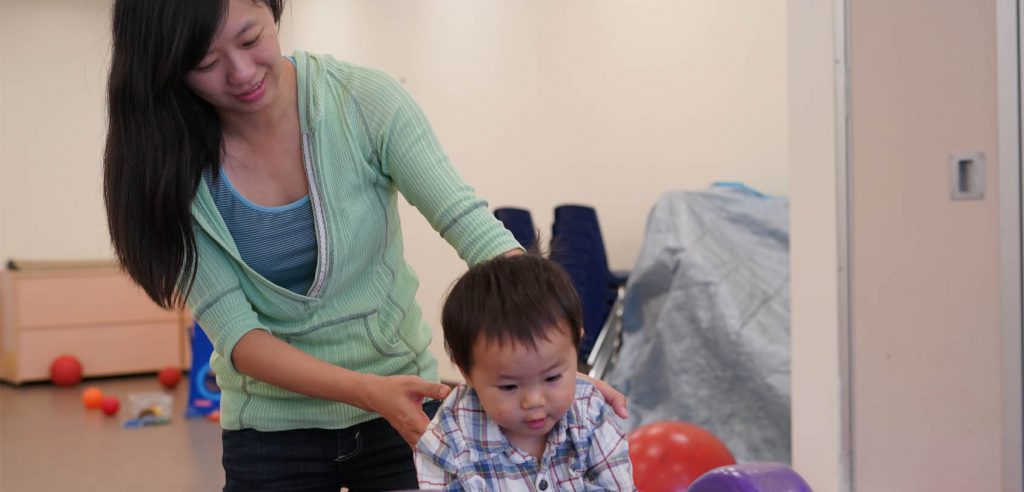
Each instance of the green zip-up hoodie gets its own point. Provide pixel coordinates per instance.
(363, 140)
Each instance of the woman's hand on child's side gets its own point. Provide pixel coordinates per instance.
(611, 395)
(399, 400)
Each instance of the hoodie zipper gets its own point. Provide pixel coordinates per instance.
(319, 222)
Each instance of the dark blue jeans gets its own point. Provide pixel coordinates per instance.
(364, 457)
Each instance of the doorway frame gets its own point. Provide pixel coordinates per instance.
(843, 231)
(1009, 18)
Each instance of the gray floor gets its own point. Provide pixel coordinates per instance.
(50, 442)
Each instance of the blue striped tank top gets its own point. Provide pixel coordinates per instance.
(279, 243)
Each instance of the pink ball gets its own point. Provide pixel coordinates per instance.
(110, 405)
(66, 371)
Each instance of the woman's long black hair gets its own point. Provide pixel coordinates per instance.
(160, 138)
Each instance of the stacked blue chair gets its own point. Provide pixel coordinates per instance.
(520, 223)
(578, 246)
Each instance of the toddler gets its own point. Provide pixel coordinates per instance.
(523, 420)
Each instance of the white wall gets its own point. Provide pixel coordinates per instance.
(602, 102)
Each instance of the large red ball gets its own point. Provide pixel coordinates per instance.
(66, 371)
(668, 456)
(169, 377)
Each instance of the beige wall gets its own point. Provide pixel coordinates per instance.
(53, 56)
(604, 102)
(538, 103)
(925, 293)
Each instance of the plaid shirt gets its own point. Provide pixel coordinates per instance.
(465, 450)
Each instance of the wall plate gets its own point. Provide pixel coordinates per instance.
(967, 176)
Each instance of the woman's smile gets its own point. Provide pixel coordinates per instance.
(254, 93)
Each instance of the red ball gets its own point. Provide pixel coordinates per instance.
(169, 377)
(66, 371)
(668, 456)
(110, 405)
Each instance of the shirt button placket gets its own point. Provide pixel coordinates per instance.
(542, 484)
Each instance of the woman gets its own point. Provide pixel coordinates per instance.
(261, 191)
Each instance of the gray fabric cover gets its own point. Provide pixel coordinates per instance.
(706, 320)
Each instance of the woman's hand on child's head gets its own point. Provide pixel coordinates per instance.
(399, 400)
(611, 395)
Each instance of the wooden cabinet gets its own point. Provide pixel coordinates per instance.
(89, 310)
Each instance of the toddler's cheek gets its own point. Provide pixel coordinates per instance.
(502, 415)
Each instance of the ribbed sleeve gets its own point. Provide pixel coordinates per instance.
(217, 300)
(410, 155)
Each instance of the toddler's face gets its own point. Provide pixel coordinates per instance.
(526, 391)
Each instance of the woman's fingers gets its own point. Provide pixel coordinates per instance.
(402, 404)
(614, 397)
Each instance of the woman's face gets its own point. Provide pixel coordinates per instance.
(242, 71)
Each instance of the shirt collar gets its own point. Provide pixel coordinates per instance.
(486, 439)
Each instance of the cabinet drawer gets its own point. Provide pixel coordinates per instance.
(102, 350)
(104, 296)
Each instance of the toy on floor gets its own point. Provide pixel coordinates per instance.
(668, 456)
(66, 371)
(110, 405)
(169, 377)
(92, 397)
(203, 392)
(148, 408)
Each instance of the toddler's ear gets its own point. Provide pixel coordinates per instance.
(465, 377)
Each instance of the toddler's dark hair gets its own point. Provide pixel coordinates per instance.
(515, 299)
